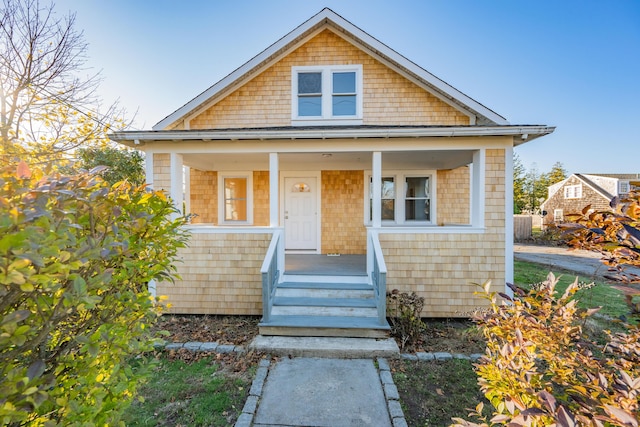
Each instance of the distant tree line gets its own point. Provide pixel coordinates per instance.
(530, 186)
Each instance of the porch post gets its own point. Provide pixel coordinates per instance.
(376, 176)
(148, 168)
(273, 189)
(177, 189)
(477, 188)
(508, 212)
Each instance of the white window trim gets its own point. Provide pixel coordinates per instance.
(248, 175)
(327, 92)
(399, 177)
(558, 213)
(573, 191)
(624, 187)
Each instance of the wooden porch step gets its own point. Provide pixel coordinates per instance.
(361, 307)
(324, 290)
(324, 285)
(324, 326)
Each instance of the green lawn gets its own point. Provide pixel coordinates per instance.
(433, 392)
(602, 294)
(189, 394)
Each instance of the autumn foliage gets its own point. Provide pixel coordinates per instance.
(614, 233)
(76, 257)
(539, 368)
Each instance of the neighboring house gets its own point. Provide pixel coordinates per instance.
(330, 142)
(578, 191)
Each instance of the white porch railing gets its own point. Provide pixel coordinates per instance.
(271, 270)
(377, 270)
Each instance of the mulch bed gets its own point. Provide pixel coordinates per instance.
(440, 335)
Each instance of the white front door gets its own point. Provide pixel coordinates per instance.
(300, 213)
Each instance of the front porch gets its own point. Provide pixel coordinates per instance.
(325, 265)
(320, 295)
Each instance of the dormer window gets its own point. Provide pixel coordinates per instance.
(326, 95)
(623, 187)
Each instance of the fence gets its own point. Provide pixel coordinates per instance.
(522, 226)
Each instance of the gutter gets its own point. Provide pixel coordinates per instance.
(137, 138)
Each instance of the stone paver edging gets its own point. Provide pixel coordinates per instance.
(391, 393)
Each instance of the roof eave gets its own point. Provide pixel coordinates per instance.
(521, 134)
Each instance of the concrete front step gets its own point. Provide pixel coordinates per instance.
(324, 326)
(334, 347)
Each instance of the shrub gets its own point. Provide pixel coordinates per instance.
(404, 311)
(615, 233)
(76, 258)
(539, 369)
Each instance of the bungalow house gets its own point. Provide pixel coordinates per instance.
(330, 146)
(580, 190)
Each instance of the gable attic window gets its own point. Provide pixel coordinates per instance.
(573, 191)
(326, 95)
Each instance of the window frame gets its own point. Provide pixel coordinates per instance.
(327, 94)
(558, 213)
(573, 191)
(248, 175)
(399, 177)
(624, 187)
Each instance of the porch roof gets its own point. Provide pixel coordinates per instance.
(521, 133)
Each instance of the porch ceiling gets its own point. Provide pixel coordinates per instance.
(438, 159)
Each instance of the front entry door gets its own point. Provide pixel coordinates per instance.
(300, 213)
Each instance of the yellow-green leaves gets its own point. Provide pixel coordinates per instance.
(75, 258)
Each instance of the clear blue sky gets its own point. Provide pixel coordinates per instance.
(571, 64)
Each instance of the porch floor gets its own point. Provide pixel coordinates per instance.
(323, 265)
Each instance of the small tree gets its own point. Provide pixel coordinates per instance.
(76, 256)
(120, 164)
(47, 106)
(519, 185)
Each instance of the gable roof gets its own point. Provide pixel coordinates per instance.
(598, 189)
(554, 188)
(328, 19)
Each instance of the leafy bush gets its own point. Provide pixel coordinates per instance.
(76, 258)
(404, 311)
(539, 369)
(614, 233)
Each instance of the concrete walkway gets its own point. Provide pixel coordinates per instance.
(585, 263)
(322, 392)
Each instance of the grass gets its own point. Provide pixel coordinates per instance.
(433, 392)
(199, 393)
(601, 295)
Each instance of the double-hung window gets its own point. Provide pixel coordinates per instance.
(573, 191)
(326, 95)
(236, 197)
(406, 198)
(417, 198)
